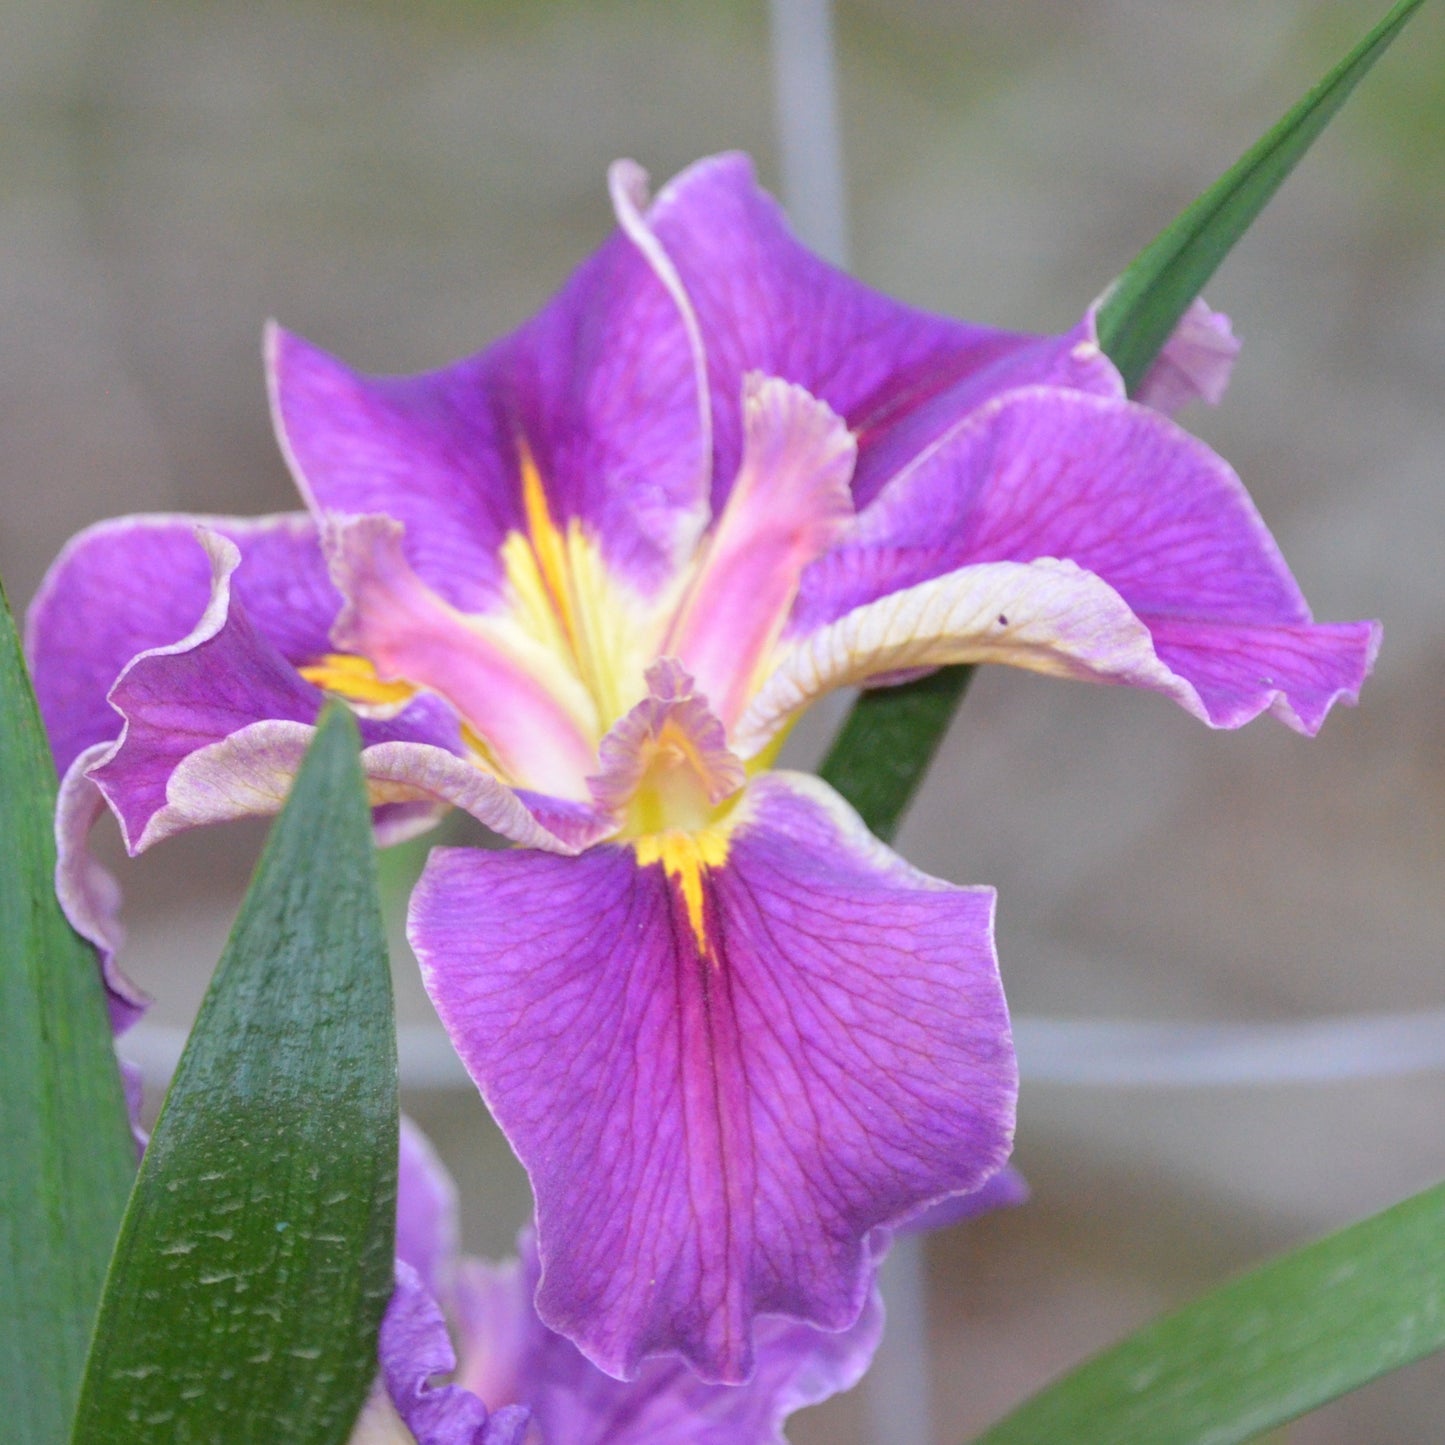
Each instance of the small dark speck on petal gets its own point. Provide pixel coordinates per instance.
(1002, 620)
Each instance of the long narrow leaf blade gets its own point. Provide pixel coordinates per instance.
(1264, 1349)
(906, 724)
(887, 742)
(1158, 285)
(256, 1254)
(69, 1158)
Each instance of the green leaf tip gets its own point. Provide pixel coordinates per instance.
(1146, 302)
(882, 752)
(255, 1259)
(69, 1156)
(1265, 1348)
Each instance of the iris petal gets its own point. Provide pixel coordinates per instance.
(506, 1357)
(428, 1230)
(714, 1120)
(1080, 536)
(599, 392)
(1195, 364)
(533, 715)
(787, 505)
(415, 1347)
(765, 303)
(125, 586)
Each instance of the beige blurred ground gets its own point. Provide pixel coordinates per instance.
(402, 183)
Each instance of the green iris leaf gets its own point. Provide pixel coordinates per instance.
(69, 1157)
(255, 1258)
(905, 725)
(1155, 290)
(1265, 1348)
(887, 742)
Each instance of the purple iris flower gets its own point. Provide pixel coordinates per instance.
(474, 1321)
(581, 585)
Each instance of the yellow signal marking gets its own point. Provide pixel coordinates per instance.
(547, 543)
(687, 857)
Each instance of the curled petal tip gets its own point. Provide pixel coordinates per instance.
(1195, 363)
(627, 183)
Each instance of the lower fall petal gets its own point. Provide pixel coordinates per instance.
(215, 725)
(1142, 560)
(1294, 671)
(1054, 617)
(1005, 1190)
(722, 1068)
(201, 688)
(249, 774)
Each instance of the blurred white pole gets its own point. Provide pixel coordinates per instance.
(805, 93)
(810, 150)
(1102, 1054)
(805, 102)
(897, 1386)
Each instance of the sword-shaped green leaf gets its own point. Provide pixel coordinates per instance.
(887, 742)
(1155, 290)
(1143, 306)
(69, 1157)
(255, 1258)
(1265, 1348)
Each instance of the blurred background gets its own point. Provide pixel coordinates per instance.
(403, 183)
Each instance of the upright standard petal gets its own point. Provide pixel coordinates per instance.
(596, 400)
(723, 1059)
(897, 375)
